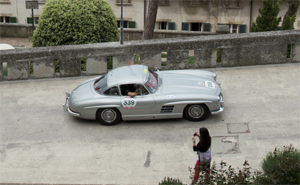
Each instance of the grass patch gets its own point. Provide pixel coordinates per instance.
(219, 55)
(109, 62)
(30, 67)
(289, 49)
(164, 55)
(56, 64)
(137, 59)
(191, 59)
(83, 63)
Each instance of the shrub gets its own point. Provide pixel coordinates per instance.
(228, 176)
(170, 181)
(288, 24)
(267, 19)
(72, 22)
(282, 166)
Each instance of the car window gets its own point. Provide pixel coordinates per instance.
(133, 88)
(101, 84)
(141, 89)
(152, 82)
(127, 88)
(112, 91)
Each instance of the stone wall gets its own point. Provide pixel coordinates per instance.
(237, 50)
(25, 31)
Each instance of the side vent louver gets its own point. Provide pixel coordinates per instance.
(167, 109)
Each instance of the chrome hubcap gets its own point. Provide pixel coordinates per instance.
(196, 111)
(108, 115)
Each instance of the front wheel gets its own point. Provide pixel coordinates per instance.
(196, 112)
(108, 116)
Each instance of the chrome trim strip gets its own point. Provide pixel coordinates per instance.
(187, 102)
(144, 115)
(103, 106)
(218, 111)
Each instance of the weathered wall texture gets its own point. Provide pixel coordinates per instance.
(237, 50)
(25, 31)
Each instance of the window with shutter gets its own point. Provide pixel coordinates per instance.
(125, 24)
(13, 19)
(242, 28)
(206, 27)
(29, 20)
(131, 24)
(5, 19)
(125, 2)
(171, 25)
(196, 26)
(185, 26)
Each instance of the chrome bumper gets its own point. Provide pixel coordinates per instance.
(221, 108)
(66, 106)
(218, 111)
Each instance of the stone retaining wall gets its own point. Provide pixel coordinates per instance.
(237, 50)
(25, 31)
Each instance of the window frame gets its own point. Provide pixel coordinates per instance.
(5, 1)
(163, 3)
(202, 3)
(125, 22)
(200, 26)
(118, 91)
(125, 2)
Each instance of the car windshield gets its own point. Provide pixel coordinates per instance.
(152, 82)
(101, 83)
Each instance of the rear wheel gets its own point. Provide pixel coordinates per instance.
(197, 112)
(108, 116)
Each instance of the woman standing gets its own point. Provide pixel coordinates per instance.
(203, 150)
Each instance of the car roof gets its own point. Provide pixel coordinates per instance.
(128, 75)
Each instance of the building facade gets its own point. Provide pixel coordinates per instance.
(180, 15)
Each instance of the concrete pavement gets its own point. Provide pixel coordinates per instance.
(42, 144)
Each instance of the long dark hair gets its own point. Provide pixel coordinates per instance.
(205, 139)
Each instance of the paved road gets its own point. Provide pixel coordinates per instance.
(41, 144)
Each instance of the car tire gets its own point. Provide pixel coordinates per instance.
(108, 116)
(196, 112)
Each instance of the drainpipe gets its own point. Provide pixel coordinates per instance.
(251, 5)
(145, 10)
(121, 23)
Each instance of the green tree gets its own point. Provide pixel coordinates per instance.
(267, 19)
(70, 22)
(288, 24)
(292, 10)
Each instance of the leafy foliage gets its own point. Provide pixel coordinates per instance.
(170, 181)
(267, 19)
(288, 24)
(227, 176)
(282, 166)
(72, 22)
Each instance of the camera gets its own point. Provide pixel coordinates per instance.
(195, 134)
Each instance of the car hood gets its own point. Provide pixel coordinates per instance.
(183, 83)
(83, 92)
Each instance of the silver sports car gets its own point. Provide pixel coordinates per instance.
(135, 92)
